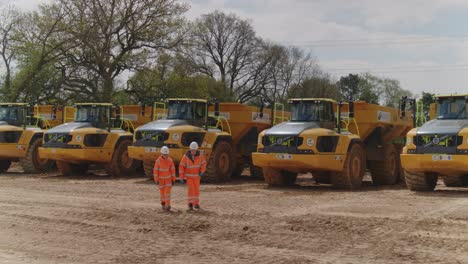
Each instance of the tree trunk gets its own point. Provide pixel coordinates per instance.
(107, 89)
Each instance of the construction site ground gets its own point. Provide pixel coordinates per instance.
(97, 219)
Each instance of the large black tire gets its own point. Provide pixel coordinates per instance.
(275, 177)
(148, 166)
(4, 165)
(256, 172)
(421, 182)
(322, 177)
(401, 172)
(386, 171)
(121, 164)
(70, 169)
(220, 164)
(239, 168)
(32, 163)
(353, 170)
(455, 181)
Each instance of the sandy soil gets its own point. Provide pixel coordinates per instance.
(97, 219)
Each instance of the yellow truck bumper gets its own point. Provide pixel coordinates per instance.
(76, 155)
(13, 151)
(299, 162)
(152, 153)
(437, 163)
(143, 153)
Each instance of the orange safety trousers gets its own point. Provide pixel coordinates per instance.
(164, 173)
(189, 169)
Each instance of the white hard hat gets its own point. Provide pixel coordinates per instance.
(165, 150)
(194, 145)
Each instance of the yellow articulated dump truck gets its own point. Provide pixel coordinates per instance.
(21, 129)
(439, 147)
(227, 137)
(99, 134)
(336, 142)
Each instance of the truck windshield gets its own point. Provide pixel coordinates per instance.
(450, 108)
(186, 110)
(318, 111)
(92, 114)
(12, 113)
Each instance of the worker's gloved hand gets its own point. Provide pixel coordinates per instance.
(182, 181)
(201, 174)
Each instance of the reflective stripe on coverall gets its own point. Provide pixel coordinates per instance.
(164, 173)
(190, 170)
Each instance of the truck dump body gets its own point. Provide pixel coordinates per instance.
(297, 147)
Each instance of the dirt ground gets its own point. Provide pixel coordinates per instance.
(97, 219)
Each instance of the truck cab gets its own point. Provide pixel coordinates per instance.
(439, 147)
(99, 134)
(22, 126)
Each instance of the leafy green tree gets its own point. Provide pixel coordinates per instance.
(318, 86)
(109, 37)
(427, 99)
(171, 77)
(349, 87)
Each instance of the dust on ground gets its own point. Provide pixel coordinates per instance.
(98, 219)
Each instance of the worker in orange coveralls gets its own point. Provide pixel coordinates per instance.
(191, 168)
(164, 175)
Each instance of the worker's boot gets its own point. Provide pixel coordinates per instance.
(190, 206)
(163, 205)
(168, 207)
(197, 206)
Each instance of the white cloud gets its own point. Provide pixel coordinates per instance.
(23, 4)
(302, 21)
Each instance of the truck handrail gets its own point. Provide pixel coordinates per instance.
(219, 123)
(282, 118)
(346, 120)
(420, 117)
(155, 109)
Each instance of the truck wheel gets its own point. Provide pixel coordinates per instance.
(401, 171)
(121, 164)
(256, 172)
(279, 178)
(455, 181)
(220, 164)
(421, 182)
(386, 171)
(353, 170)
(32, 162)
(148, 166)
(4, 165)
(322, 177)
(70, 169)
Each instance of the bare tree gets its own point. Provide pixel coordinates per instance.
(288, 67)
(225, 47)
(9, 19)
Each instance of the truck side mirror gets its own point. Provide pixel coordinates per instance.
(351, 109)
(54, 112)
(143, 108)
(403, 108)
(261, 110)
(216, 108)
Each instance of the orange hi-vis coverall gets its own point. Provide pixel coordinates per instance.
(189, 169)
(164, 173)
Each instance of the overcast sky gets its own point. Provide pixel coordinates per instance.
(422, 43)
